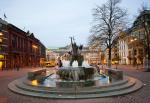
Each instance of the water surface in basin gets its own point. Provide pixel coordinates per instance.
(51, 80)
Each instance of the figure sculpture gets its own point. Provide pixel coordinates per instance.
(76, 53)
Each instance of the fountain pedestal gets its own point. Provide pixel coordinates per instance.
(79, 76)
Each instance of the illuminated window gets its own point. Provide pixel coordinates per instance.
(1, 64)
(1, 33)
(1, 56)
(1, 40)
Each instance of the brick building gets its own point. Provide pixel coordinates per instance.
(18, 48)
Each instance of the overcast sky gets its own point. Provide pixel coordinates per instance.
(54, 21)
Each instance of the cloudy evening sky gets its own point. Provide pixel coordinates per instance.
(54, 21)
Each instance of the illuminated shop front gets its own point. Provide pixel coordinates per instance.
(2, 61)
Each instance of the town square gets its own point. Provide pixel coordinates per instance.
(75, 51)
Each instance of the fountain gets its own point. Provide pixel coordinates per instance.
(75, 74)
(76, 79)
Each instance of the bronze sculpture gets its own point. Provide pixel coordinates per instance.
(76, 53)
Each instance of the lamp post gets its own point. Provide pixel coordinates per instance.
(116, 62)
(133, 50)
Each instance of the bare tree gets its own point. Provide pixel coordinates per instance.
(109, 19)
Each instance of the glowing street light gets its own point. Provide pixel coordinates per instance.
(1, 33)
(133, 39)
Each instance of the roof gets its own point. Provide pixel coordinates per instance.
(145, 12)
(3, 21)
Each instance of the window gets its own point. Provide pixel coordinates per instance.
(14, 42)
(1, 48)
(129, 52)
(1, 56)
(1, 40)
(135, 52)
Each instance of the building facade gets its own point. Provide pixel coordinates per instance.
(139, 37)
(19, 48)
(3, 44)
(123, 47)
(91, 55)
(131, 42)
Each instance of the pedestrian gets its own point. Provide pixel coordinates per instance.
(18, 67)
(97, 68)
(59, 63)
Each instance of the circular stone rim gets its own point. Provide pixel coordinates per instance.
(12, 86)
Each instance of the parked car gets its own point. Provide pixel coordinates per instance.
(50, 63)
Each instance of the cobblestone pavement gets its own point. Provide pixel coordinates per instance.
(140, 96)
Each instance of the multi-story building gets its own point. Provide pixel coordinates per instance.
(123, 47)
(139, 37)
(131, 41)
(19, 48)
(130, 48)
(91, 55)
(3, 44)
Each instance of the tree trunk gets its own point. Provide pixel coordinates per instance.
(109, 57)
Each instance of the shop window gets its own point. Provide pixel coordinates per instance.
(1, 64)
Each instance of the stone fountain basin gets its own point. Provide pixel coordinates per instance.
(76, 89)
(121, 87)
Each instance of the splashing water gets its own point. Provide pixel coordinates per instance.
(85, 64)
(75, 64)
(65, 63)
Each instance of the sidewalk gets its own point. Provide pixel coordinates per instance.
(3, 100)
(126, 67)
(136, 67)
